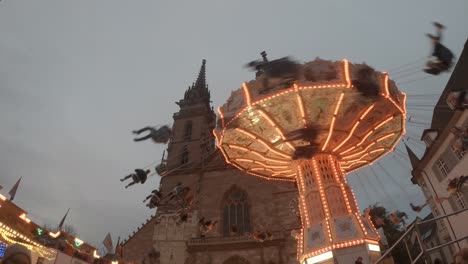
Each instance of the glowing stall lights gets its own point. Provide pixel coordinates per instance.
(11, 236)
(95, 254)
(78, 242)
(23, 216)
(319, 258)
(39, 231)
(3, 198)
(346, 72)
(115, 262)
(54, 235)
(340, 100)
(246, 95)
(373, 247)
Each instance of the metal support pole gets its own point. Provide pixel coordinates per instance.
(446, 244)
(408, 250)
(394, 245)
(420, 240)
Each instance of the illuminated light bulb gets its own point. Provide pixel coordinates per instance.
(23, 216)
(386, 83)
(54, 235)
(346, 72)
(340, 100)
(78, 242)
(247, 100)
(262, 142)
(221, 116)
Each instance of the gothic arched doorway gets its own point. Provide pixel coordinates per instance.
(236, 260)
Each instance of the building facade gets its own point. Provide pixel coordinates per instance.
(221, 193)
(443, 161)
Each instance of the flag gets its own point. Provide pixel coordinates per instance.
(63, 220)
(14, 189)
(108, 243)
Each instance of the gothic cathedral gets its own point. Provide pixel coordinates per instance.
(222, 193)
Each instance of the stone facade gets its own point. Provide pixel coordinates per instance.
(194, 161)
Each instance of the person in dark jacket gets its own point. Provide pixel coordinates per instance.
(366, 82)
(139, 176)
(443, 54)
(156, 197)
(358, 260)
(308, 134)
(160, 135)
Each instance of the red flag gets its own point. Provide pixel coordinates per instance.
(14, 189)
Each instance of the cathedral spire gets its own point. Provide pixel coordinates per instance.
(200, 84)
(198, 92)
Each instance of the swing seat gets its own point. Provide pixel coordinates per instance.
(436, 67)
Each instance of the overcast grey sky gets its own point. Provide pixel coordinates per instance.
(77, 76)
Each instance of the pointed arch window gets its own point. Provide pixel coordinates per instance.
(188, 130)
(236, 212)
(185, 156)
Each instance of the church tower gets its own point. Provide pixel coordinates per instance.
(192, 139)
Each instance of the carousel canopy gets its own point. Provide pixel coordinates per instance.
(356, 125)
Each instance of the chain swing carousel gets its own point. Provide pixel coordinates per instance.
(313, 127)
